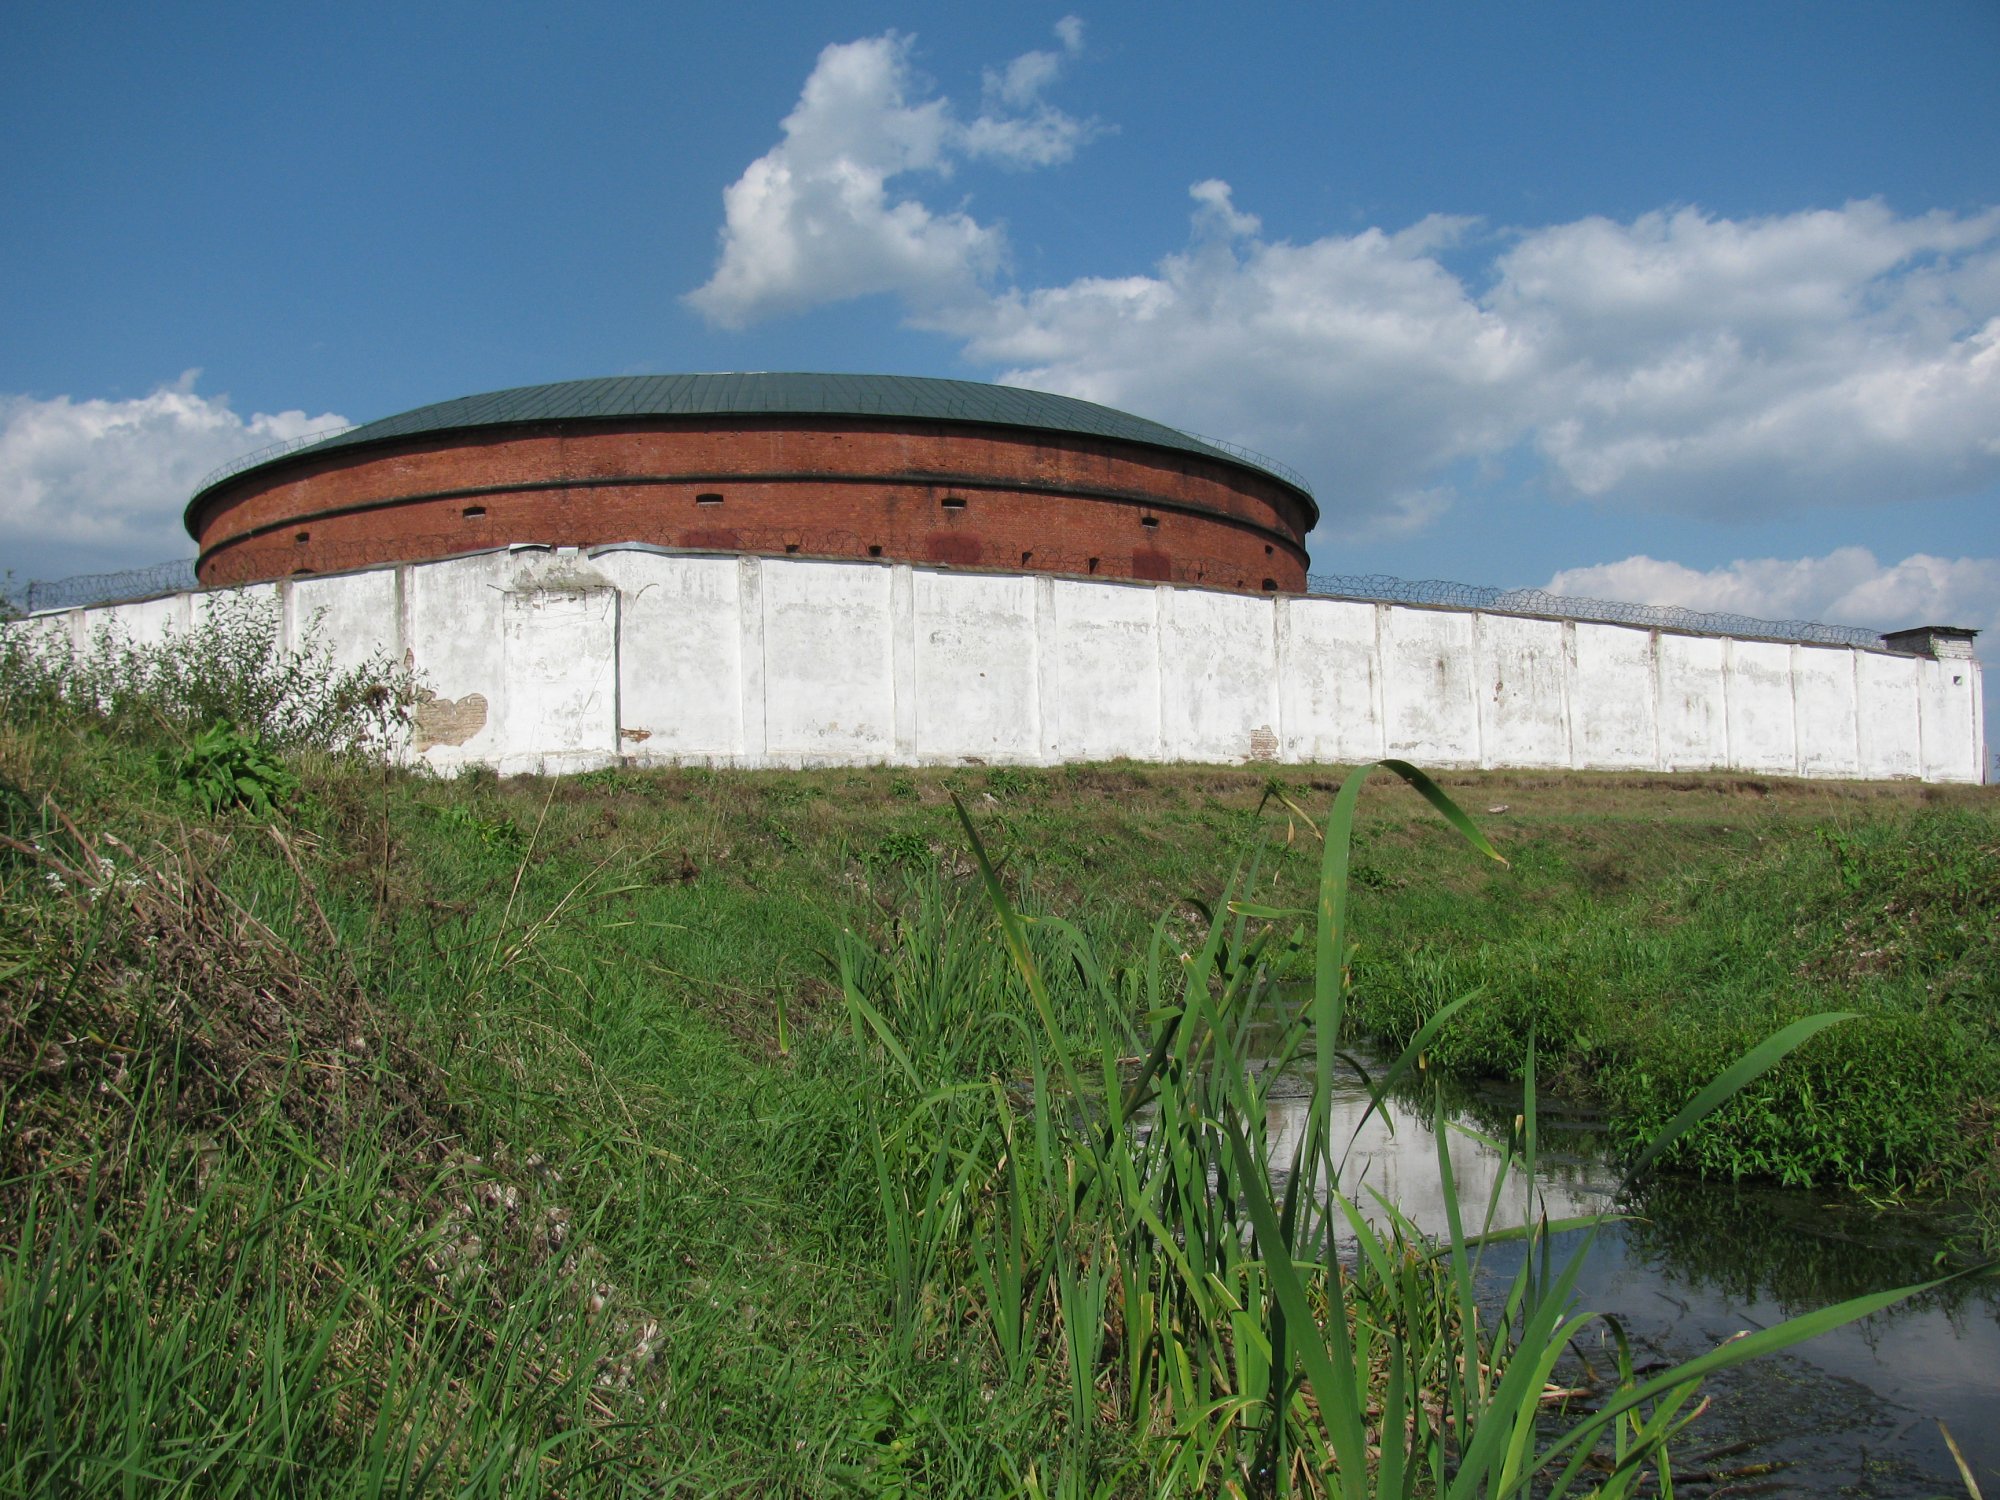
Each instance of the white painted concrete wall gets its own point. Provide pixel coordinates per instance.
(561, 661)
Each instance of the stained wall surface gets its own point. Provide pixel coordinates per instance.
(556, 661)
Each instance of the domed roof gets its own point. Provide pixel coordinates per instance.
(905, 396)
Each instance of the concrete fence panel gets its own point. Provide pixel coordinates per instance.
(540, 660)
(1522, 673)
(1826, 711)
(1763, 733)
(1106, 653)
(1692, 701)
(1429, 695)
(1614, 720)
(977, 664)
(1330, 680)
(680, 639)
(829, 663)
(1218, 677)
(354, 615)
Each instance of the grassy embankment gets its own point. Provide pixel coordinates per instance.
(503, 1133)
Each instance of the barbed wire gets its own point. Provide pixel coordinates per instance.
(107, 588)
(89, 589)
(1380, 588)
(1251, 456)
(270, 451)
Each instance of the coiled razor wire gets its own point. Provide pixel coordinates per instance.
(1381, 589)
(108, 588)
(270, 451)
(88, 589)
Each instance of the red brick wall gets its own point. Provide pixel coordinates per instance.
(1056, 502)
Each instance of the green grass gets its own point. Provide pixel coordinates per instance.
(701, 1133)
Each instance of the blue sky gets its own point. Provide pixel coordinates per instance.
(1691, 303)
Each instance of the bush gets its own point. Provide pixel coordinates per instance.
(231, 668)
(229, 767)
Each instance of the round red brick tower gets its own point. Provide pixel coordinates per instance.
(842, 466)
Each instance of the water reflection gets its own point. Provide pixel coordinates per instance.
(1852, 1412)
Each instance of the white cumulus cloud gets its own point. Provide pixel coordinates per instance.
(1845, 587)
(1359, 359)
(101, 484)
(1681, 362)
(822, 216)
(1716, 366)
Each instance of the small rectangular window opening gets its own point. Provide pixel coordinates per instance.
(1149, 522)
(708, 499)
(1024, 558)
(953, 502)
(302, 538)
(874, 551)
(474, 512)
(1267, 549)
(790, 548)
(1093, 565)
(1270, 585)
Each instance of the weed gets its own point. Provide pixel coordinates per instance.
(1009, 781)
(904, 847)
(224, 767)
(502, 834)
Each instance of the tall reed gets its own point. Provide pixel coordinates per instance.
(1079, 1157)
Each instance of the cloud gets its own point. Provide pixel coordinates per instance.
(102, 484)
(1711, 366)
(1357, 358)
(820, 217)
(1845, 587)
(1681, 362)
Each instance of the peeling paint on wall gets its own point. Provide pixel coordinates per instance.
(446, 721)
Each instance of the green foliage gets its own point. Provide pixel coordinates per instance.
(1635, 1000)
(635, 1249)
(501, 834)
(904, 847)
(1006, 782)
(1112, 1223)
(232, 666)
(225, 766)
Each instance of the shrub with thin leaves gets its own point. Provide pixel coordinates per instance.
(231, 667)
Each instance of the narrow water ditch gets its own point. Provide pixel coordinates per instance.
(1853, 1412)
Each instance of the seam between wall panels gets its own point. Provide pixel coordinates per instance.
(1798, 739)
(402, 645)
(1854, 682)
(1048, 673)
(1480, 643)
(617, 673)
(1281, 624)
(1570, 694)
(904, 685)
(1378, 689)
(753, 742)
(1978, 723)
(1659, 708)
(1728, 734)
(1568, 698)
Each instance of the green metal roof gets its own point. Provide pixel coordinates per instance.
(892, 396)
